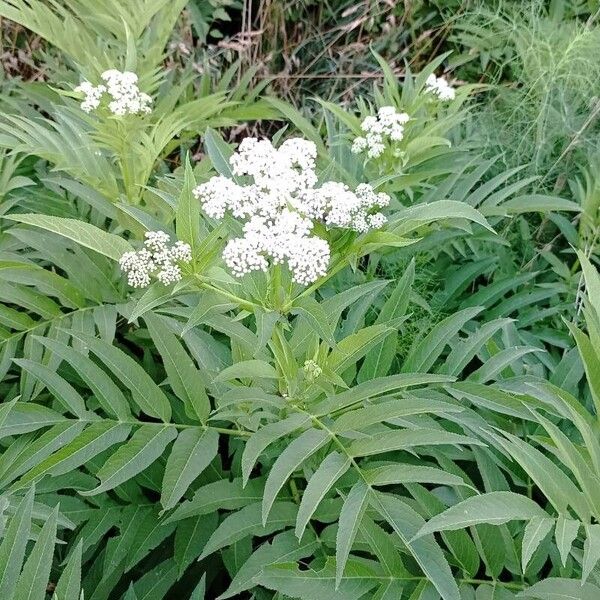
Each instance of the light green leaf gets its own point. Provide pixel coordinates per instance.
(401, 439)
(61, 389)
(406, 523)
(399, 474)
(265, 436)
(591, 550)
(185, 379)
(353, 347)
(192, 452)
(565, 533)
(316, 318)
(83, 233)
(36, 572)
(288, 461)
(350, 519)
(248, 368)
(248, 521)
(14, 543)
(146, 394)
(535, 531)
(322, 480)
(494, 508)
(96, 438)
(219, 152)
(556, 588)
(188, 210)
(146, 445)
(69, 584)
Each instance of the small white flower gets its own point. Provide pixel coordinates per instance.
(157, 259)
(440, 87)
(123, 90)
(387, 125)
(279, 208)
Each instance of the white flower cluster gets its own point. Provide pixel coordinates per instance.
(157, 258)
(280, 206)
(387, 124)
(440, 87)
(123, 90)
(312, 370)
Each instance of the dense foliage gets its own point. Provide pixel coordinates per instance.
(299, 300)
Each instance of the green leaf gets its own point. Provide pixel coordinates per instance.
(62, 390)
(222, 494)
(350, 519)
(265, 436)
(248, 521)
(535, 532)
(96, 438)
(284, 547)
(322, 480)
(401, 439)
(565, 533)
(219, 152)
(146, 445)
(252, 369)
(399, 474)
(556, 588)
(316, 318)
(34, 578)
(188, 210)
(424, 354)
(376, 387)
(192, 452)
(14, 543)
(353, 347)
(191, 537)
(393, 409)
(494, 508)
(288, 461)
(406, 523)
(106, 391)
(69, 584)
(591, 550)
(185, 379)
(146, 394)
(85, 234)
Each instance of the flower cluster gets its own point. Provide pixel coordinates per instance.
(312, 370)
(440, 87)
(279, 208)
(157, 258)
(388, 124)
(123, 90)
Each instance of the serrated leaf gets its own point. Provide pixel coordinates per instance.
(251, 369)
(350, 519)
(322, 480)
(83, 233)
(265, 436)
(14, 543)
(146, 394)
(34, 577)
(288, 461)
(565, 533)
(192, 452)
(494, 508)
(96, 438)
(69, 584)
(146, 445)
(248, 521)
(184, 377)
(406, 523)
(535, 531)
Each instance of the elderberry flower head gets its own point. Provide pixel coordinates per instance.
(440, 87)
(157, 258)
(121, 90)
(280, 206)
(387, 126)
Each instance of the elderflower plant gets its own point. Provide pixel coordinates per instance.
(156, 259)
(385, 128)
(282, 205)
(439, 87)
(120, 92)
